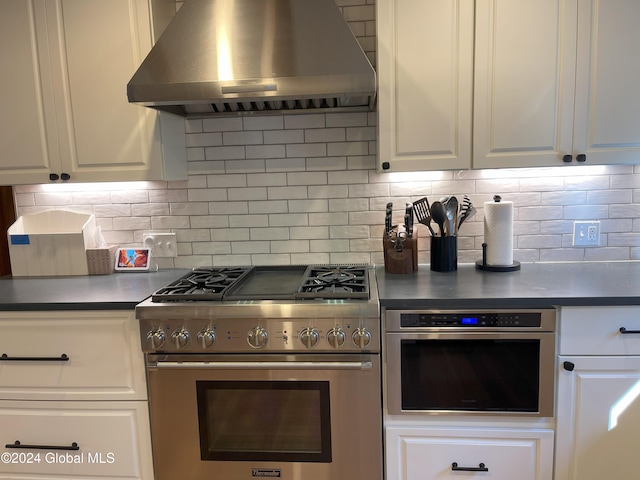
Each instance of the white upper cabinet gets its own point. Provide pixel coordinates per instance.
(607, 114)
(550, 83)
(425, 75)
(524, 82)
(66, 109)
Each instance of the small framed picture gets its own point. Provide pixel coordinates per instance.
(133, 260)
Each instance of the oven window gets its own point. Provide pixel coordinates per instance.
(264, 421)
(471, 375)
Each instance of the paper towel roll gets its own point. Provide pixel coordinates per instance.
(498, 232)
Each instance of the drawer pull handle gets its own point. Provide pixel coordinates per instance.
(568, 366)
(624, 331)
(17, 444)
(479, 468)
(6, 358)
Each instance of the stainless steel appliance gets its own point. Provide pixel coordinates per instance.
(481, 362)
(265, 372)
(220, 57)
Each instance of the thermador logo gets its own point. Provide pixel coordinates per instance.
(265, 473)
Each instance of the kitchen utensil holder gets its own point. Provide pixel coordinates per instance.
(403, 260)
(444, 254)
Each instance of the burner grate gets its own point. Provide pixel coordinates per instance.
(202, 283)
(335, 281)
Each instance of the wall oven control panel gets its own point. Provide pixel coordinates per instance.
(471, 319)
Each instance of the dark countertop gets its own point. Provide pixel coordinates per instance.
(534, 285)
(118, 291)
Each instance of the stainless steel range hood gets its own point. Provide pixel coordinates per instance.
(229, 56)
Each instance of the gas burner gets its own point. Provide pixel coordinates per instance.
(335, 281)
(202, 283)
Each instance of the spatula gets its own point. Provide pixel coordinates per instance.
(423, 213)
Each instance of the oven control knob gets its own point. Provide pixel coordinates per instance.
(361, 337)
(309, 337)
(257, 337)
(336, 337)
(206, 337)
(157, 338)
(180, 338)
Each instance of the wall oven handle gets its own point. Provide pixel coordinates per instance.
(362, 365)
(480, 468)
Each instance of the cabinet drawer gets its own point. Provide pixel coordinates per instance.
(112, 439)
(102, 349)
(507, 454)
(596, 330)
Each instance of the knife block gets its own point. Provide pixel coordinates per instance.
(405, 261)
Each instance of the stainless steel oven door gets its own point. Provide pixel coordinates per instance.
(238, 417)
(480, 373)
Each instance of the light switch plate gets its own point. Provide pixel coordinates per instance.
(161, 244)
(586, 234)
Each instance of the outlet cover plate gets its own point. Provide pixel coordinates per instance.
(161, 244)
(586, 233)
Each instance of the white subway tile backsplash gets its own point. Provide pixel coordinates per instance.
(271, 122)
(242, 138)
(267, 151)
(268, 206)
(283, 136)
(208, 221)
(224, 153)
(307, 150)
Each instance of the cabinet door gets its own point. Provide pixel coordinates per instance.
(607, 119)
(99, 46)
(102, 349)
(506, 454)
(28, 132)
(425, 68)
(64, 97)
(597, 418)
(524, 82)
(112, 440)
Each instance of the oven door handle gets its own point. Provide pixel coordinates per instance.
(362, 365)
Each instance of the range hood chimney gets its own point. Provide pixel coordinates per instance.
(221, 57)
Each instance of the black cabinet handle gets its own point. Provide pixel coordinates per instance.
(65, 176)
(386, 165)
(624, 331)
(53, 177)
(6, 358)
(567, 158)
(568, 366)
(581, 158)
(479, 468)
(17, 444)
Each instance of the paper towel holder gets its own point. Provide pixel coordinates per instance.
(482, 264)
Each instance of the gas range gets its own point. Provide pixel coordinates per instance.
(270, 309)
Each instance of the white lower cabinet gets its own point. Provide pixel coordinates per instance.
(73, 395)
(425, 453)
(598, 397)
(74, 439)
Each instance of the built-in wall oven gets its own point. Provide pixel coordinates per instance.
(265, 379)
(482, 362)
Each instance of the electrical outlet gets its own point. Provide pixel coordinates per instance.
(586, 234)
(161, 244)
